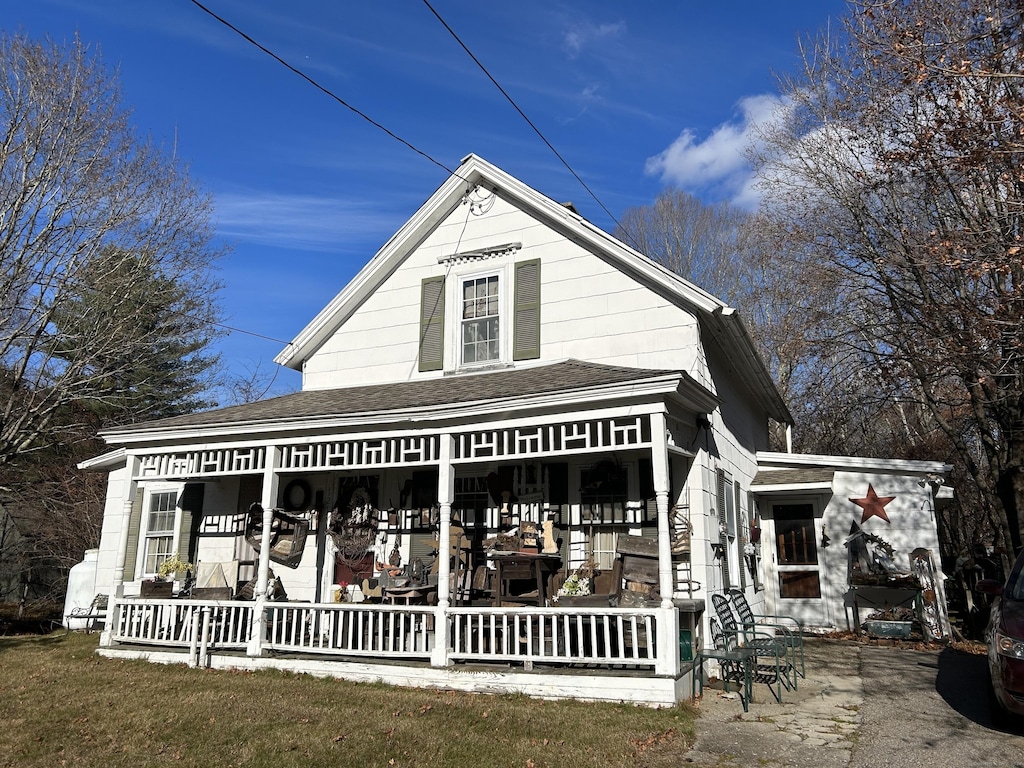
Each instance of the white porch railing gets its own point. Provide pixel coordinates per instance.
(350, 629)
(592, 637)
(182, 623)
(586, 636)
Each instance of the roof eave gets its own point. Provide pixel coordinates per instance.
(650, 388)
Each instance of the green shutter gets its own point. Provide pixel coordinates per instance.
(526, 314)
(741, 536)
(131, 553)
(191, 515)
(432, 324)
(723, 536)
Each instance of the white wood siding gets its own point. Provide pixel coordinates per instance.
(589, 310)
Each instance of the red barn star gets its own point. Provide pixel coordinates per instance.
(873, 505)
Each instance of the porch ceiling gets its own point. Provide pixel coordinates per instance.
(573, 379)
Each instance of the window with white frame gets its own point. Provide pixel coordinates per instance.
(480, 318)
(163, 509)
(603, 543)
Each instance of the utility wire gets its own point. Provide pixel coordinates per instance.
(523, 115)
(322, 88)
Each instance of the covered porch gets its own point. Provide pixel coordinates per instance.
(568, 460)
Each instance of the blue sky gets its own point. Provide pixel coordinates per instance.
(636, 96)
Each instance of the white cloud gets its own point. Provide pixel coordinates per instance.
(301, 221)
(581, 34)
(718, 162)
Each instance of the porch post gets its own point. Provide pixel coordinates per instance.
(668, 619)
(445, 497)
(267, 500)
(659, 463)
(131, 485)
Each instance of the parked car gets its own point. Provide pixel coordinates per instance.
(1004, 636)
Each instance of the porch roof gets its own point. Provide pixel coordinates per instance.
(570, 377)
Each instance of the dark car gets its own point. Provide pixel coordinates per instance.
(1005, 638)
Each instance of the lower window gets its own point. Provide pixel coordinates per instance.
(163, 508)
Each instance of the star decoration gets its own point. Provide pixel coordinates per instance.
(873, 505)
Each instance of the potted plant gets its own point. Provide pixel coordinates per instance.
(175, 569)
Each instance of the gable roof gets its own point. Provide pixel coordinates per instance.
(718, 318)
(422, 399)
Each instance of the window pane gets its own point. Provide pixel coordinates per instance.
(480, 321)
(162, 507)
(794, 534)
(795, 584)
(158, 549)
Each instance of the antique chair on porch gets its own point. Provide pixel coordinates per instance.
(781, 670)
(785, 628)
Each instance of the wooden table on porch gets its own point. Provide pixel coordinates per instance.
(411, 595)
(512, 566)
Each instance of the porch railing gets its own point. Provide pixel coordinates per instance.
(596, 637)
(182, 623)
(585, 636)
(350, 629)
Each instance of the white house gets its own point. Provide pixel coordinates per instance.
(503, 364)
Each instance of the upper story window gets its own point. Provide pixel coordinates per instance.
(481, 302)
(492, 317)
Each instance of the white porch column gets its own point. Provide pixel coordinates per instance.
(445, 497)
(659, 463)
(130, 487)
(268, 499)
(668, 619)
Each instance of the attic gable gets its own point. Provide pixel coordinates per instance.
(442, 207)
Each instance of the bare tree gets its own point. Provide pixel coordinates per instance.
(105, 256)
(695, 240)
(897, 179)
(108, 301)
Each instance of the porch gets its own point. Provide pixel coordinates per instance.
(593, 653)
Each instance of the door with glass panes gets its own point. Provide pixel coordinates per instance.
(799, 584)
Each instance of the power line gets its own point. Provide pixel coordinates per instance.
(523, 115)
(322, 88)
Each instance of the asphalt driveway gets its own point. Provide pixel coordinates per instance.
(861, 706)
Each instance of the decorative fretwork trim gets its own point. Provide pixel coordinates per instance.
(525, 441)
(506, 249)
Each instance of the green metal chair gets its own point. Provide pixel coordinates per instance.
(775, 660)
(736, 665)
(785, 627)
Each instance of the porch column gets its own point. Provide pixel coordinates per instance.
(268, 499)
(659, 463)
(668, 618)
(445, 497)
(131, 486)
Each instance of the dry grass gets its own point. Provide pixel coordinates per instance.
(61, 704)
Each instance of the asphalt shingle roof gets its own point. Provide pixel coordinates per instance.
(793, 476)
(565, 376)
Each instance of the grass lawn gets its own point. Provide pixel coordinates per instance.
(61, 704)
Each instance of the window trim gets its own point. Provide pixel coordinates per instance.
(145, 535)
(453, 355)
(501, 315)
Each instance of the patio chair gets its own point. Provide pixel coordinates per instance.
(785, 627)
(781, 670)
(735, 664)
